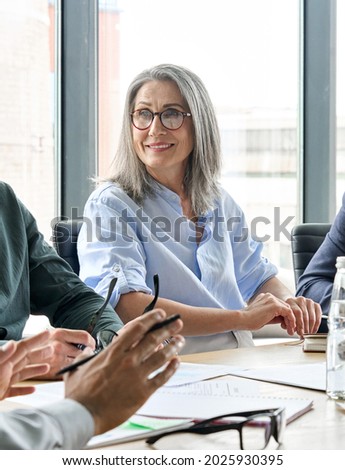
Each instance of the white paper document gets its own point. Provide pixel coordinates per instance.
(186, 374)
(189, 373)
(45, 394)
(311, 376)
(171, 406)
(217, 397)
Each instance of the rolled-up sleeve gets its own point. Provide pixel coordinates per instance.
(109, 246)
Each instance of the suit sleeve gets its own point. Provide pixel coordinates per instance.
(63, 425)
(317, 279)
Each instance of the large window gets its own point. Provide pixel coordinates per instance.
(27, 104)
(247, 54)
(27, 36)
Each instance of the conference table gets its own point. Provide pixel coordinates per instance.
(321, 428)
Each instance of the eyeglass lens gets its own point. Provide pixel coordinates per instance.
(233, 432)
(256, 433)
(171, 118)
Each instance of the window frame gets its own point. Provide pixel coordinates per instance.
(317, 148)
(77, 96)
(77, 120)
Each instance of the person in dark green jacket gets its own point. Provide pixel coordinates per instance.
(34, 280)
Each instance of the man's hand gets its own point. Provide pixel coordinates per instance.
(118, 381)
(64, 343)
(23, 360)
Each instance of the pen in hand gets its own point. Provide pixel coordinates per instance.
(75, 365)
(155, 327)
(163, 323)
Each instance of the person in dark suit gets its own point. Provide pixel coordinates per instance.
(317, 280)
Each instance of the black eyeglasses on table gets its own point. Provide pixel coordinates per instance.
(254, 428)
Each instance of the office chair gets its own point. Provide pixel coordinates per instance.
(305, 240)
(65, 235)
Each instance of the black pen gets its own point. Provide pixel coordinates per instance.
(163, 323)
(75, 365)
(155, 327)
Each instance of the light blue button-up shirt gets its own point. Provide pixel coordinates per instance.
(132, 243)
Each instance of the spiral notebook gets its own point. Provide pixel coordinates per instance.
(203, 400)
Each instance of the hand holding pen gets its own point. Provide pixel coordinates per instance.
(155, 327)
(118, 381)
(104, 337)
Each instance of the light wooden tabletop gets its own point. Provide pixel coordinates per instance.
(321, 428)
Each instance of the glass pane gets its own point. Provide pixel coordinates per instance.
(27, 104)
(246, 52)
(340, 139)
(27, 33)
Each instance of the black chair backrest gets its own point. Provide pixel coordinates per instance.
(305, 240)
(65, 236)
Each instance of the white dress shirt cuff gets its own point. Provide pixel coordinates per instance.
(75, 421)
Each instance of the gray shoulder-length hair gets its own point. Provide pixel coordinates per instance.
(203, 169)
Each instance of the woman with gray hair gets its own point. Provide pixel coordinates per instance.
(162, 211)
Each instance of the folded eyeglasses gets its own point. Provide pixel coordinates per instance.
(252, 429)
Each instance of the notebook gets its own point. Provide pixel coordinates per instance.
(172, 407)
(316, 343)
(203, 400)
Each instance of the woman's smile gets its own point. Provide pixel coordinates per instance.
(157, 141)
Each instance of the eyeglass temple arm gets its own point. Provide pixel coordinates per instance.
(197, 428)
(152, 304)
(202, 428)
(99, 312)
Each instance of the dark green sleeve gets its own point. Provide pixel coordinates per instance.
(56, 291)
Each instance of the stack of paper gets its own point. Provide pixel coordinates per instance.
(203, 400)
(311, 376)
